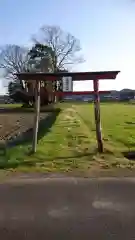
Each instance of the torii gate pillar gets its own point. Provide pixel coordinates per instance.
(73, 76)
(97, 115)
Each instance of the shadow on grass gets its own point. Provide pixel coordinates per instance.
(130, 123)
(5, 164)
(130, 155)
(24, 139)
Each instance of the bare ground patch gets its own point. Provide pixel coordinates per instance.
(15, 124)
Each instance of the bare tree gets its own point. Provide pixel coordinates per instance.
(66, 48)
(13, 59)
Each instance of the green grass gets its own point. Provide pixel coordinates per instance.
(10, 105)
(118, 123)
(67, 141)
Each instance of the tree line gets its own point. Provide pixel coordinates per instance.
(53, 50)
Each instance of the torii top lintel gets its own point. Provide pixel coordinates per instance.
(76, 76)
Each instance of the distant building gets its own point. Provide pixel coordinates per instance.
(84, 98)
(123, 95)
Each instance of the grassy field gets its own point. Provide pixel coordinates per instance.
(67, 141)
(118, 123)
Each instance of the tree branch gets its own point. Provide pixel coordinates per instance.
(65, 46)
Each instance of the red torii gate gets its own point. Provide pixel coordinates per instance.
(73, 76)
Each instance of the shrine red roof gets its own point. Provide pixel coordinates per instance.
(76, 76)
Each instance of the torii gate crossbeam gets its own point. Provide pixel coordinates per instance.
(73, 76)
